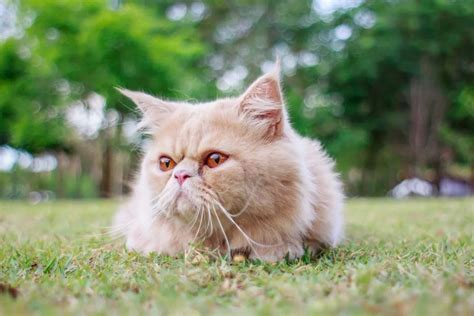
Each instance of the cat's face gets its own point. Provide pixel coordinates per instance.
(230, 155)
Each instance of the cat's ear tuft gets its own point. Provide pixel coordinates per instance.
(145, 102)
(153, 109)
(263, 103)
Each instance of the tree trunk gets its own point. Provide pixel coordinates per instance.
(61, 167)
(107, 166)
(427, 108)
(438, 168)
(472, 176)
(370, 164)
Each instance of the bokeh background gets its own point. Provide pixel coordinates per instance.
(387, 86)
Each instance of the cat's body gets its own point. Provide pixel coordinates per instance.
(234, 175)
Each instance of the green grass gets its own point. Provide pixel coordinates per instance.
(400, 257)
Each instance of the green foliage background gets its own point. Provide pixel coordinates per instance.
(387, 86)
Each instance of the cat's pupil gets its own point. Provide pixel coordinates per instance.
(216, 158)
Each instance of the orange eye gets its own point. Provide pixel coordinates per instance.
(166, 163)
(215, 159)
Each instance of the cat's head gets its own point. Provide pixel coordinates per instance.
(230, 155)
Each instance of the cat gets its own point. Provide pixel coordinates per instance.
(233, 175)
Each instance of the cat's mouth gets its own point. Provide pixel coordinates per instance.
(180, 202)
(183, 202)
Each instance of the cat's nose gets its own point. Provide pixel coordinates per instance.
(181, 176)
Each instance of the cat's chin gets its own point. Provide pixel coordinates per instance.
(184, 209)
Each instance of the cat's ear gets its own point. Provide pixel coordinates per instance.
(263, 103)
(153, 109)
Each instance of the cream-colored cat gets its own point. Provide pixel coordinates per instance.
(234, 175)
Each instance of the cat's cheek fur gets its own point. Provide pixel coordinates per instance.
(227, 181)
(155, 179)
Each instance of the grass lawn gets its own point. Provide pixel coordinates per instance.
(400, 257)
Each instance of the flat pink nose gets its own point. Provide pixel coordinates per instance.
(181, 176)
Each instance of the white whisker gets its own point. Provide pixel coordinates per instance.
(209, 226)
(162, 204)
(223, 232)
(240, 229)
(201, 212)
(195, 218)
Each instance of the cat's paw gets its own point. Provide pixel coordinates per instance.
(277, 253)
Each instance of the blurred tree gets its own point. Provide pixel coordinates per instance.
(375, 81)
(458, 130)
(387, 86)
(397, 77)
(28, 115)
(31, 104)
(93, 47)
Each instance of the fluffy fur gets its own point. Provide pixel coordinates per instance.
(275, 194)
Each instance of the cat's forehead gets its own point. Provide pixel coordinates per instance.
(195, 128)
(207, 116)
